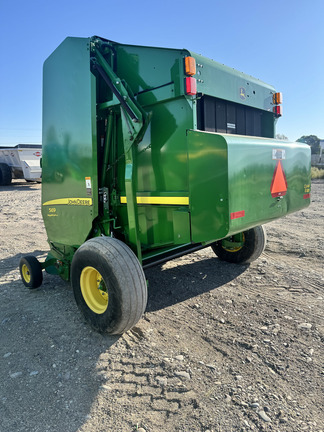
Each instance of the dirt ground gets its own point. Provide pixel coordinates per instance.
(221, 347)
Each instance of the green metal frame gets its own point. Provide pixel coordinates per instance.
(133, 123)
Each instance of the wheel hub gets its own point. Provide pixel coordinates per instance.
(234, 243)
(94, 290)
(26, 273)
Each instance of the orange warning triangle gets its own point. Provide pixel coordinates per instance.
(279, 182)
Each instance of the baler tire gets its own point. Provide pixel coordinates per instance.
(31, 272)
(5, 174)
(255, 240)
(109, 285)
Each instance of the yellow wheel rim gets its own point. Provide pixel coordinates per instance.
(94, 290)
(235, 248)
(25, 273)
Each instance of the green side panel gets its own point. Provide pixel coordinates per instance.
(162, 171)
(162, 154)
(69, 202)
(218, 80)
(181, 227)
(162, 225)
(230, 181)
(155, 225)
(148, 68)
(252, 164)
(208, 186)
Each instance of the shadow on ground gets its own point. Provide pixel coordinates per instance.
(168, 286)
(21, 184)
(11, 263)
(48, 357)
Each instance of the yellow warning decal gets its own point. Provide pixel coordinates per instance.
(159, 200)
(70, 201)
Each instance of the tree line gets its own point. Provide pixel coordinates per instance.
(312, 140)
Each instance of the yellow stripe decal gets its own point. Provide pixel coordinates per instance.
(159, 200)
(70, 201)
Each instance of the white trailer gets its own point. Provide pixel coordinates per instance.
(20, 162)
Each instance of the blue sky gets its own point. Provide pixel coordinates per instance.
(280, 42)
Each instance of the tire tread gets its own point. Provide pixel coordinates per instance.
(129, 274)
(5, 174)
(255, 243)
(35, 271)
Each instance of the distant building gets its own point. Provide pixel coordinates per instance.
(321, 150)
(318, 159)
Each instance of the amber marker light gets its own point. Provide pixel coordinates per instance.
(277, 98)
(190, 66)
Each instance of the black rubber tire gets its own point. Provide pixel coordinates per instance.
(124, 280)
(5, 174)
(255, 240)
(34, 271)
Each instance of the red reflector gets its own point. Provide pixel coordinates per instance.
(306, 196)
(191, 86)
(277, 111)
(238, 214)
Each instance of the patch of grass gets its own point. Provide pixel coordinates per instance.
(317, 173)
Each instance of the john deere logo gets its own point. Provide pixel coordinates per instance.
(242, 93)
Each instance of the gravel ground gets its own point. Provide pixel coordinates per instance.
(221, 347)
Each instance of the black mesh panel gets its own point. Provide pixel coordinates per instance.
(216, 115)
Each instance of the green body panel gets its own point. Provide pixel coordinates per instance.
(223, 82)
(162, 170)
(250, 174)
(157, 69)
(208, 175)
(164, 145)
(69, 144)
(118, 115)
(231, 174)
